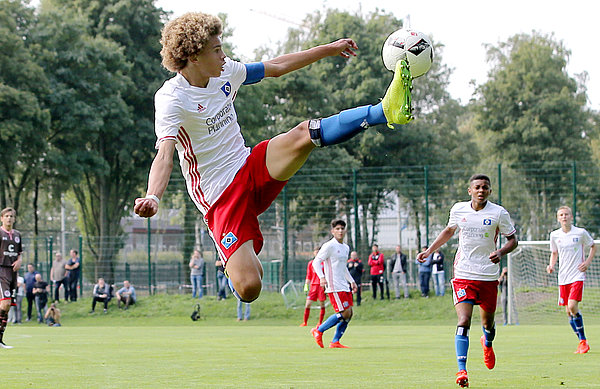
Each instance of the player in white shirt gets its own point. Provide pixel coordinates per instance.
(230, 185)
(476, 266)
(568, 244)
(338, 283)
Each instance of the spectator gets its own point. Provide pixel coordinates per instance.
(196, 273)
(438, 274)
(52, 316)
(355, 267)
(246, 315)
(29, 281)
(399, 270)
(40, 291)
(102, 294)
(16, 312)
(126, 295)
(221, 280)
(425, 273)
(376, 262)
(59, 275)
(74, 267)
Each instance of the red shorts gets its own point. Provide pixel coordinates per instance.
(233, 218)
(340, 300)
(483, 293)
(316, 292)
(572, 291)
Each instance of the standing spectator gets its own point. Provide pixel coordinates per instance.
(10, 263)
(425, 273)
(29, 281)
(221, 280)
(74, 267)
(196, 273)
(438, 274)
(40, 291)
(16, 313)
(102, 294)
(126, 295)
(52, 316)
(377, 264)
(399, 270)
(246, 315)
(59, 275)
(312, 285)
(355, 267)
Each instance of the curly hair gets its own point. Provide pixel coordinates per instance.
(185, 37)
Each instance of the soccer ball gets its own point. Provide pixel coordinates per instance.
(411, 45)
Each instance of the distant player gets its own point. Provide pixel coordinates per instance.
(312, 285)
(227, 182)
(10, 262)
(568, 245)
(338, 284)
(476, 266)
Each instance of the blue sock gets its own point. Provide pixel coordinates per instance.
(339, 331)
(330, 322)
(489, 336)
(572, 323)
(461, 341)
(578, 321)
(346, 124)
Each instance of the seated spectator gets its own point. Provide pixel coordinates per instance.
(101, 293)
(52, 316)
(40, 293)
(126, 295)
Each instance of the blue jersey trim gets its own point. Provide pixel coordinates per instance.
(254, 72)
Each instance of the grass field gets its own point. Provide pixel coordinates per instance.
(156, 345)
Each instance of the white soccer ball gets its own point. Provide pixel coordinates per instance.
(411, 45)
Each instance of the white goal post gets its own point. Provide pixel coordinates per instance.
(532, 293)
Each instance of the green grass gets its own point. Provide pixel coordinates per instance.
(395, 344)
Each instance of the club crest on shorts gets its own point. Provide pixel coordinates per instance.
(228, 240)
(461, 293)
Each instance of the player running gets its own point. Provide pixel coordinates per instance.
(230, 184)
(476, 266)
(312, 285)
(338, 283)
(569, 243)
(10, 262)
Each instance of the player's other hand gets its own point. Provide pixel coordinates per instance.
(145, 207)
(550, 269)
(422, 257)
(343, 47)
(354, 287)
(495, 256)
(582, 267)
(323, 282)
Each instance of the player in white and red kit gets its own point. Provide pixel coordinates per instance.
(476, 267)
(338, 283)
(230, 185)
(10, 262)
(567, 245)
(312, 285)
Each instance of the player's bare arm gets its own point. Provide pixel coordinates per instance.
(553, 259)
(585, 265)
(160, 172)
(441, 240)
(286, 63)
(17, 264)
(510, 245)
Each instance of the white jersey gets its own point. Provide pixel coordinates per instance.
(203, 123)
(571, 253)
(477, 239)
(333, 256)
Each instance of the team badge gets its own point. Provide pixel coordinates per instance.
(17, 239)
(461, 293)
(345, 304)
(7, 293)
(226, 89)
(487, 222)
(228, 240)
(575, 240)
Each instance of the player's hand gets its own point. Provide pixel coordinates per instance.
(343, 47)
(145, 207)
(17, 264)
(421, 257)
(550, 269)
(583, 267)
(323, 282)
(354, 287)
(495, 256)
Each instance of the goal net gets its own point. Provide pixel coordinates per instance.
(532, 294)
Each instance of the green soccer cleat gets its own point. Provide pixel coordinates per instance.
(397, 102)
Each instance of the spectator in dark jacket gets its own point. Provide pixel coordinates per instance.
(355, 267)
(102, 294)
(29, 281)
(399, 270)
(438, 274)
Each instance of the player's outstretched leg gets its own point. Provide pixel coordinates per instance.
(397, 102)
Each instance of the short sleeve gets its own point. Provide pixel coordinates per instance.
(505, 225)
(553, 246)
(452, 219)
(236, 72)
(587, 239)
(168, 117)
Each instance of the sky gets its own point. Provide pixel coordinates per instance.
(463, 26)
